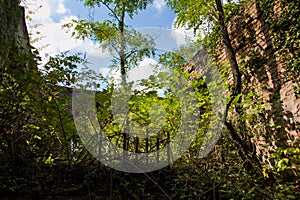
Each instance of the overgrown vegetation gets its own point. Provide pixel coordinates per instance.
(41, 153)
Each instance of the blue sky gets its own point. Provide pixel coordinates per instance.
(156, 15)
(52, 14)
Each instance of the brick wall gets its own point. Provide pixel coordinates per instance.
(265, 75)
(251, 40)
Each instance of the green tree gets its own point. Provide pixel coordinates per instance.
(195, 14)
(113, 32)
(18, 71)
(34, 124)
(127, 45)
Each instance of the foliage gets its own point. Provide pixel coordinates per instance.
(251, 122)
(119, 7)
(284, 28)
(200, 14)
(41, 152)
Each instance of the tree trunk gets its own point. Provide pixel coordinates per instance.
(14, 37)
(236, 90)
(229, 49)
(124, 77)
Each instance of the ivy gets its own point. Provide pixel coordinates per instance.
(284, 29)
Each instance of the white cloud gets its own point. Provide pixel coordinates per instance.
(182, 35)
(159, 5)
(98, 59)
(143, 70)
(105, 71)
(98, 52)
(54, 38)
(41, 10)
(44, 9)
(61, 7)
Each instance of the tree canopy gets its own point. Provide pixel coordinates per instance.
(43, 155)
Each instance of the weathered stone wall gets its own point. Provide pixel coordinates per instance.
(251, 40)
(263, 75)
(266, 76)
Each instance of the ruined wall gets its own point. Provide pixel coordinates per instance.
(265, 78)
(265, 75)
